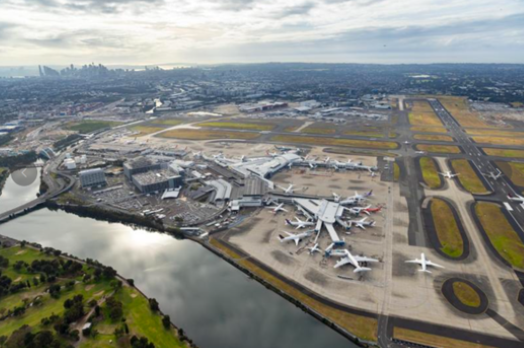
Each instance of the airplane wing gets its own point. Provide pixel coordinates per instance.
(361, 269)
(296, 241)
(365, 259)
(284, 210)
(414, 261)
(361, 226)
(342, 262)
(434, 264)
(289, 233)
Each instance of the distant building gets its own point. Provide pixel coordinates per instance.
(139, 165)
(155, 181)
(70, 164)
(92, 177)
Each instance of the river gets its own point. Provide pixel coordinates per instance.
(217, 305)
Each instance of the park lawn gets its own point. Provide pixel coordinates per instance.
(321, 141)
(466, 294)
(458, 107)
(203, 134)
(430, 172)
(468, 177)
(514, 171)
(499, 141)
(494, 132)
(447, 229)
(501, 233)
(373, 132)
(89, 126)
(422, 114)
(433, 137)
(144, 130)
(438, 148)
(433, 340)
(27, 255)
(320, 128)
(504, 152)
(239, 125)
(427, 129)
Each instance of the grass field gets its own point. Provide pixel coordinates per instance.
(296, 139)
(494, 133)
(446, 228)
(504, 152)
(89, 126)
(422, 114)
(499, 141)
(396, 171)
(430, 172)
(140, 319)
(501, 234)
(203, 134)
(144, 130)
(429, 129)
(433, 137)
(514, 171)
(166, 122)
(459, 108)
(320, 128)
(239, 125)
(363, 327)
(466, 294)
(433, 340)
(468, 177)
(438, 148)
(372, 132)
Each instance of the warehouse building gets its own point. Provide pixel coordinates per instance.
(92, 177)
(140, 165)
(156, 181)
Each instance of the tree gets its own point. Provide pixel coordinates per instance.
(153, 304)
(3, 340)
(131, 282)
(141, 342)
(116, 285)
(166, 321)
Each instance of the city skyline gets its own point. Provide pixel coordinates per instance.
(150, 32)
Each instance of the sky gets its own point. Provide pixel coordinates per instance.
(140, 32)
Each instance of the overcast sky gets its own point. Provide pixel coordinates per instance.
(221, 31)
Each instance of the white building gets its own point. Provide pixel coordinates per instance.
(92, 177)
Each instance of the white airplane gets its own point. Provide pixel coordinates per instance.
(287, 190)
(516, 198)
(299, 223)
(424, 263)
(314, 248)
(355, 262)
(336, 197)
(358, 210)
(197, 154)
(357, 198)
(220, 155)
(449, 175)
(294, 237)
(278, 208)
(312, 165)
(362, 223)
(493, 175)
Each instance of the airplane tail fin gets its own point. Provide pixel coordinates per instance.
(370, 193)
(288, 222)
(424, 270)
(280, 238)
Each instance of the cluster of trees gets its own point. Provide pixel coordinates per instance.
(20, 160)
(65, 142)
(25, 338)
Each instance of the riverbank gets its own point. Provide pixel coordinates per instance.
(4, 174)
(43, 290)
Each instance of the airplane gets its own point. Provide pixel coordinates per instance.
(287, 190)
(362, 223)
(314, 248)
(494, 176)
(220, 155)
(312, 165)
(424, 263)
(272, 154)
(299, 223)
(336, 197)
(358, 210)
(516, 198)
(278, 208)
(283, 148)
(354, 261)
(294, 237)
(197, 154)
(357, 198)
(373, 210)
(449, 175)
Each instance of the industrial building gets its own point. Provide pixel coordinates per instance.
(140, 165)
(92, 177)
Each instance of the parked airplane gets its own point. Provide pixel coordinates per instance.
(449, 175)
(493, 175)
(424, 263)
(336, 197)
(357, 198)
(197, 154)
(354, 261)
(358, 210)
(294, 237)
(299, 223)
(278, 208)
(362, 223)
(287, 190)
(314, 248)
